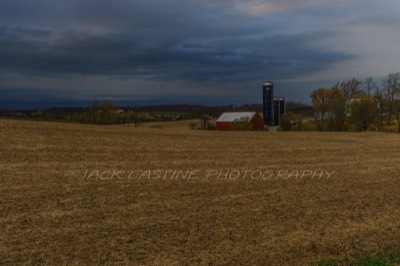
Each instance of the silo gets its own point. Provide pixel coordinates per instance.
(268, 103)
(279, 109)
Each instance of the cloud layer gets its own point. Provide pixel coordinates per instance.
(209, 50)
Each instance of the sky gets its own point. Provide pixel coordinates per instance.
(211, 52)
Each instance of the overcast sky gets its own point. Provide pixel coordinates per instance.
(70, 52)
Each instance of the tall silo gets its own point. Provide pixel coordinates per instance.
(279, 109)
(268, 103)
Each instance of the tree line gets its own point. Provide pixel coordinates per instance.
(358, 103)
(105, 112)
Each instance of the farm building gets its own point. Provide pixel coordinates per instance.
(237, 120)
(273, 107)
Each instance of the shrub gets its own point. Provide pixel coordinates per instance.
(287, 121)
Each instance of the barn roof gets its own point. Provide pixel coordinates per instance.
(236, 117)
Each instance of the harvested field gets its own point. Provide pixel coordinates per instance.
(80, 194)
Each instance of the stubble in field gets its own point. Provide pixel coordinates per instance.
(90, 194)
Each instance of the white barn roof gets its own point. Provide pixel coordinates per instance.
(236, 117)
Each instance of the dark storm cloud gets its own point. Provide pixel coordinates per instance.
(203, 43)
(39, 52)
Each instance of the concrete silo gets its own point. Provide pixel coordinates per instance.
(268, 103)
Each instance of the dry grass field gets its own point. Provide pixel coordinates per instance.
(61, 204)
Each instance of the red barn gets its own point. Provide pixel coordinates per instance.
(232, 120)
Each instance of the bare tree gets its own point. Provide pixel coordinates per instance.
(136, 116)
(299, 120)
(320, 102)
(350, 88)
(397, 112)
(94, 111)
(391, 92)
(369, 85)
(204, 122)
(380, 101)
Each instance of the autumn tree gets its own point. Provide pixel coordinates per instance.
(101, 113)
(108, 112)
(287, 121)
(337, 107)
(332, 102)
(363, 112)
